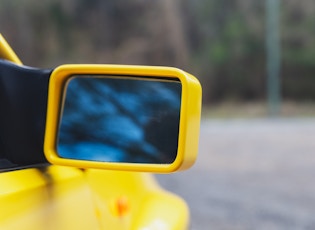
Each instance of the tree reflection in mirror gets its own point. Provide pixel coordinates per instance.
(120, 119)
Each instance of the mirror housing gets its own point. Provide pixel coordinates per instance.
(189, 113)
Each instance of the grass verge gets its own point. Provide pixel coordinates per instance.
(230, 110)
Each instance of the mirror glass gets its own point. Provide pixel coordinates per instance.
(120, 119)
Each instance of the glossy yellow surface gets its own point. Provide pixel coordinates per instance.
(52, 198)
(189, 115)
(7, 53)
(147, 205)
(60, 197)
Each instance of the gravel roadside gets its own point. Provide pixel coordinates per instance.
(251, 174)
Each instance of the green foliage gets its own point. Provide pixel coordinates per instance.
(220, 41)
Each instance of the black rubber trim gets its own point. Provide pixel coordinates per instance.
(23, 105)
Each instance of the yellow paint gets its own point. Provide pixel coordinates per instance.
(7, 53)
(53, 198)
(60, 197)
(189, 115)
(148, 204)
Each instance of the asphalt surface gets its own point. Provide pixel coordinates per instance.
(251, 174)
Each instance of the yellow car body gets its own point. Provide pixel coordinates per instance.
(64, 197)
(58, 197)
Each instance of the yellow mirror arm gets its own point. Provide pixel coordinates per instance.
(7, 53)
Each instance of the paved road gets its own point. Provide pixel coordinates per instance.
(251, 174)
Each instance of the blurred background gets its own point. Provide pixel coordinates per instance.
(255, 60)
(223, 43)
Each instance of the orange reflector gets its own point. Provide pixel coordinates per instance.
(121, 206)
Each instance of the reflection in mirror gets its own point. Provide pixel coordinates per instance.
(117, 119)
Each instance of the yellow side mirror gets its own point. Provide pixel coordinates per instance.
(137, 118)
